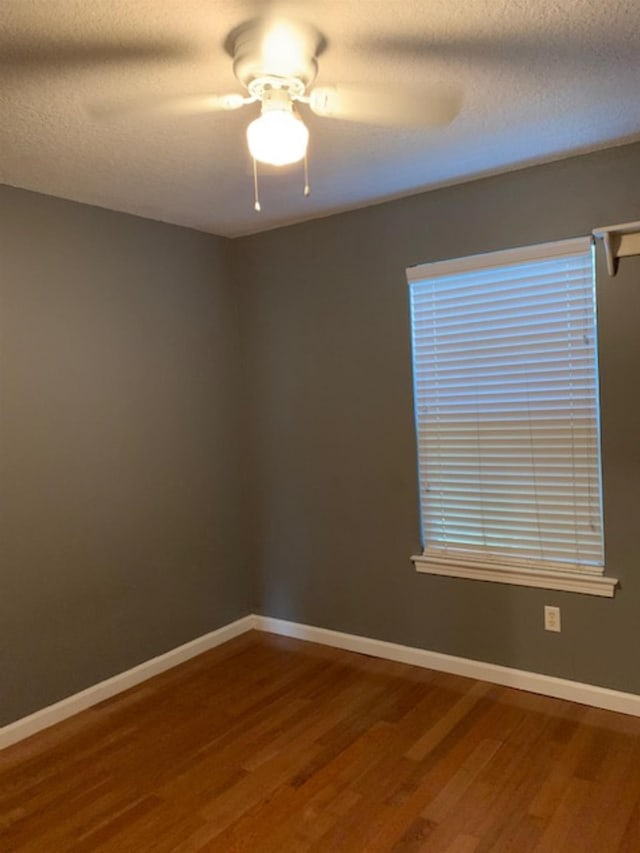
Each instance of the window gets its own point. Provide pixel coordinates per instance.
(506, 402)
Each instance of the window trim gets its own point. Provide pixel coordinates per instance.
(454, 562)
(585, 582)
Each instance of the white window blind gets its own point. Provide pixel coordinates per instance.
(506, 400)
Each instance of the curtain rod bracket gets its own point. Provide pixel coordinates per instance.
(620, 241)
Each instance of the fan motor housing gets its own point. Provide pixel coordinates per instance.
(292, 53)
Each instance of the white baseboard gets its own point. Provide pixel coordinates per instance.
(52, 714)
(547, 685)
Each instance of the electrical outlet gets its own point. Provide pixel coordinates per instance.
(552, 618)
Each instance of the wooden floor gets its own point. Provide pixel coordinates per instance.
(272, 744)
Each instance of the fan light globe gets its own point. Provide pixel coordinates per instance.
(277, 137)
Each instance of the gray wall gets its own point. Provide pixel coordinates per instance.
(335, 508)
(120, 404)
(192, 429)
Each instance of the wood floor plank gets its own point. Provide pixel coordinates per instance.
(269, 744)
(463, 844)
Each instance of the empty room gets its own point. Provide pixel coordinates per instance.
(319, 419)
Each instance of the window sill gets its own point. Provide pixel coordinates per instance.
(568, 581)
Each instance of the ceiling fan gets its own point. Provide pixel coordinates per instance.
(276, 63)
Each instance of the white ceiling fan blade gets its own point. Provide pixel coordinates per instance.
(395, 106)
(34, 53)
(171, 105)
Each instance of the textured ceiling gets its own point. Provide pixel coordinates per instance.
(540, 78)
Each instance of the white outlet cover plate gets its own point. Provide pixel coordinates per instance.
(552, 618)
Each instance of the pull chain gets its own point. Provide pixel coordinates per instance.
(256, 198)
(307, 188)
